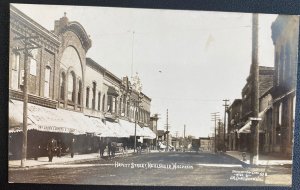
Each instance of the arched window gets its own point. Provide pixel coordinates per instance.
(71, 86)
(79, 92)
(280, 114)
(62, 85)
(99, 100)
(47, 81)
(15, 71)
(87, 97)
(94, 96)
(103, 103)
(109, 104)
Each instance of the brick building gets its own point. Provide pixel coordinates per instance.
(285, 32)
(265, 84)
(234, 115)
(70, 95)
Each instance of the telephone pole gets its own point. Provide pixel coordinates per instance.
(29, 45)
(215, 116)
(184, 131)
(255, 109)
(224, 135)
(167, 127)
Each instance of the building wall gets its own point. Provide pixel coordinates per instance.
(285, 32)
(41, 59)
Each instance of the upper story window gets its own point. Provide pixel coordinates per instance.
(71, 86)
(87, 97)
(79, 92)
(33, 62)
(47, 81)
(62, 85)
(94, 96)
(280, 114)
(15, 71)
(103, 103)
(99, 100)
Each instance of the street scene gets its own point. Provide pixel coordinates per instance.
(149, 97)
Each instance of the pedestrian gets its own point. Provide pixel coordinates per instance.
(102, 148)
(51, 148)
(59, 148)
(113, 148)
(109, 149)
(72, 147)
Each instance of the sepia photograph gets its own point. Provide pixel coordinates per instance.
(150, 97)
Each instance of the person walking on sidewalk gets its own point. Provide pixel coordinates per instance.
(102, 148)
(109, 149)
(59, 148)
(72, 147)
(51, 148)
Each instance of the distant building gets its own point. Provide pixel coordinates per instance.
(206, 144)
(285, 32)
(266, 75)
(234, 116)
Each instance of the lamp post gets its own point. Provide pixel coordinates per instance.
(137, 106)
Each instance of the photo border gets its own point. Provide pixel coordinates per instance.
(289, 7)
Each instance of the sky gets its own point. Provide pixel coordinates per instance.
(188, 61)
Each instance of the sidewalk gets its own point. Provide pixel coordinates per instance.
(43, 161)
(265, 160)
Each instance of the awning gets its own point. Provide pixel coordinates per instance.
(149, 134)
(52, 120)
(246, 127)
(117, 130)
(130, 128)
(103, 130)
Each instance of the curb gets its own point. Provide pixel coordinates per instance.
(61, 163)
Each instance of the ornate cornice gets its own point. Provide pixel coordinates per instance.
(78, 29)
(22, 24)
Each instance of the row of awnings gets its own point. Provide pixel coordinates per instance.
(63, 121)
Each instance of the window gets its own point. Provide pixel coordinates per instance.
(71, 86)
(109, 104)
(99, 100)
(15, 71)
(47, 82)
(94, 96)
(282, 65)
(280, 114)
(62, 85)
(87, 97)
(33, 62)
(79, 92)
(103, 103)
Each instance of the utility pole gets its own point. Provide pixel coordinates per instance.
(167, 127)
(224, 135)
(184, 131)
(215, 116)
(29, 45)
(255, 109)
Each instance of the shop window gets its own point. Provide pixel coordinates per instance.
(62, 85)
(47, 81)
(15, 71)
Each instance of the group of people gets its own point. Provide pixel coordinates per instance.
(111, 148)
(54, 147)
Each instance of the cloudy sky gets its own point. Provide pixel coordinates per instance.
(188, 61)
